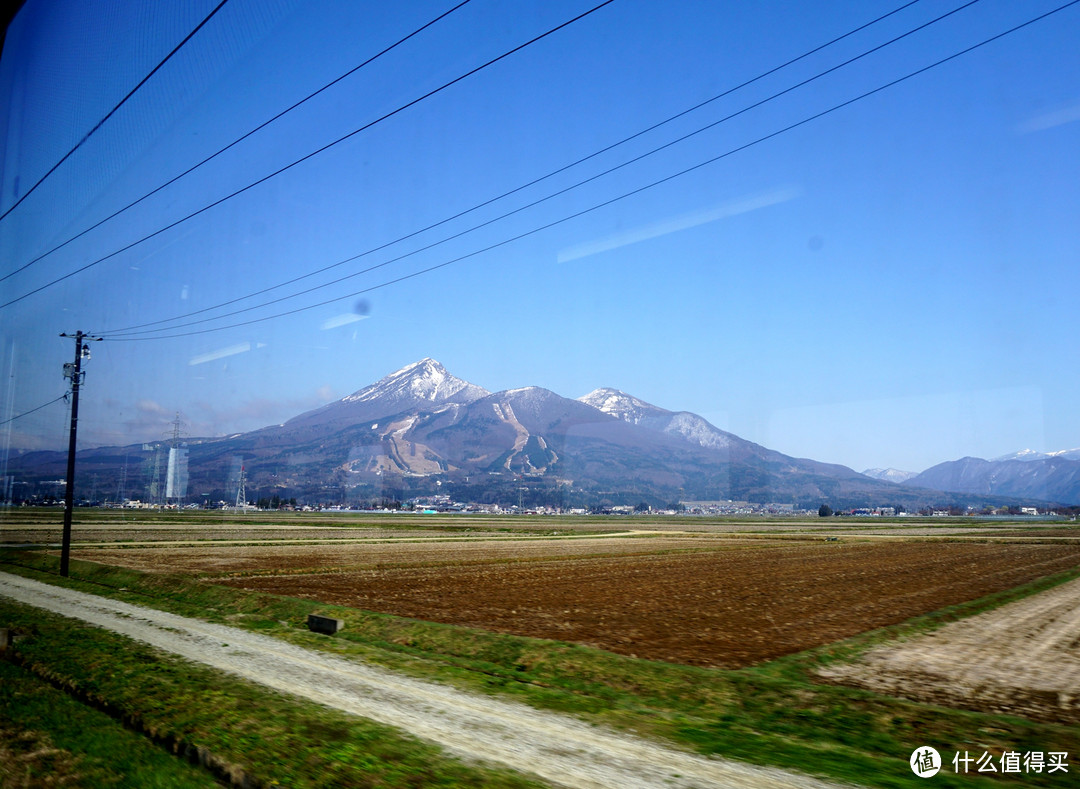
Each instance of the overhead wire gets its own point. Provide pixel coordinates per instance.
(142, 328)
(522, 187)
(33, 410)
(111, 112)
(621, 197)
(314, 153)
(234, 143)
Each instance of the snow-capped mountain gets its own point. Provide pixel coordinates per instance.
(1027, 455)
(1023, 454)
(890, 474)
(620, 405)
(422, 385)
(420, 425)
(630, 409)
(421, 430)
(425, 382)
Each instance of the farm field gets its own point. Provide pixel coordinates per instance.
(92, 527)
(379, 553)
(1020, 658)
(729, 606)
(714, 601)
(709, 597)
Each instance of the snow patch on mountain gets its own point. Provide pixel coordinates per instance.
(683, 424)
(529, 395)
(890, 474)
(620, 405)
(1028, 455)
(695, 429)
(425, 381)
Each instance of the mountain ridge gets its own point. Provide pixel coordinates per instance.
(890, 474)
(1031, 454)
(1052, 478)
(420, 430)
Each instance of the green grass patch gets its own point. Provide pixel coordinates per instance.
(774, 713)
(49, 739)
(271, 736)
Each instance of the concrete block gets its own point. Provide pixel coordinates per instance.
(324, 624)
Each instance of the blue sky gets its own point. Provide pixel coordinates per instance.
(891, 284)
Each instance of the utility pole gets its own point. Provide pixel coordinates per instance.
(73, 371)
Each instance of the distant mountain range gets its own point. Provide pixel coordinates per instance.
(1030, 475)
(1045, 476)
(421, 431)
(1031, 454)
(890, 474)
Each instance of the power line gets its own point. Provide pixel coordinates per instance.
(535, 181)
(99, 124)
(623, 196)
(32, 410)
(234, 143)
(311, 155)
(640, 157)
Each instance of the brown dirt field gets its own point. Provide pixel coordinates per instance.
(399, 552)
(725, 608)
(82, 535)
(1020, 658)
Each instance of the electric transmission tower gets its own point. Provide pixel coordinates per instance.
(241, 495)
(155, 474)
(123, 482)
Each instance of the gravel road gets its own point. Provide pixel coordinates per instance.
(558, 749)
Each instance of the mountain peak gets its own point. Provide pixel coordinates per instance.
(1028, 455)
(620, 405)
(683, 424)
(1023, 454)
(890, 474)
(422, 382)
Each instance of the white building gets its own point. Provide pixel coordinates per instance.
(176, 478)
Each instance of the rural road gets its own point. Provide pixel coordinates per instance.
(557, 749)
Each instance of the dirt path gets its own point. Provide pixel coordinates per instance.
(558, 749)
(1020, 658)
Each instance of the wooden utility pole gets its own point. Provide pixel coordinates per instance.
(72, 370)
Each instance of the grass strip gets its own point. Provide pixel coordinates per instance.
(49, 739)
(774, 713)
(275, 739)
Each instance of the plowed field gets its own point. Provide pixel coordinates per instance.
(725, 604)
(1022, 657)
(342, 555)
